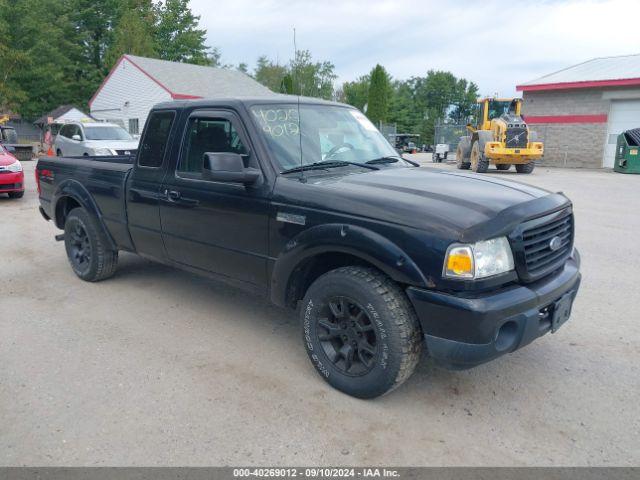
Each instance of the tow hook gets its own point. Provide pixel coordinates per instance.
(59, 238)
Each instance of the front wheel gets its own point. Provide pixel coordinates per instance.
(360, 331)
(16, 194)
(89, 254)
(525, 167)
(479, 163)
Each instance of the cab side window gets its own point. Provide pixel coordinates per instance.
(156, 137)
(207, 135)
(64, 131)
(77, 131)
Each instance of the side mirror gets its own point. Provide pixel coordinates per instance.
(228, 167)
(76, 137)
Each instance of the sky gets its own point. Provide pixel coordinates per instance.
(496, 44)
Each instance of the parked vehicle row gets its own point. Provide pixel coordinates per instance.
(381, 259)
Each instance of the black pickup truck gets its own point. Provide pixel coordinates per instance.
(304, 201)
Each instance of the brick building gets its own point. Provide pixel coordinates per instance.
(579, 111)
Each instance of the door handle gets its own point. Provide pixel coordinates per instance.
(172, 195)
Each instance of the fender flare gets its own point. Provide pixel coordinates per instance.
(357, 241)
(71, 188)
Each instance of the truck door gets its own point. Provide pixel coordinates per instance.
(145, 182)
(215, 226)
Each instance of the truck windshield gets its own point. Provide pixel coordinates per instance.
(106, 133)
(497, 108)
(319, 133)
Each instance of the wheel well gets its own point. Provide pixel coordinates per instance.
(63, 207)
(309, 270)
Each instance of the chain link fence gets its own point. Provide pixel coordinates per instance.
(449, 134)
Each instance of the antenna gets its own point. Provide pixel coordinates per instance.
(295, 81)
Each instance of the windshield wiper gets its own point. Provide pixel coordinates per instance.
(327, 164)
(391, 159)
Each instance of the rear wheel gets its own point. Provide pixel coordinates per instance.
(525, 167)
(479, 163)
(89, 254)
(503, 166)
(360, 331)
(460, 160)
(58, 153)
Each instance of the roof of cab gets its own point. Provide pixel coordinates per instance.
(247, 101)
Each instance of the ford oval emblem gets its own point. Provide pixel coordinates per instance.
(555, 243)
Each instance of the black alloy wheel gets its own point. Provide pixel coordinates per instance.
(80, 248)
(348, 336)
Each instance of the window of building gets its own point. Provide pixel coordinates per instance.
(207, 135)
(133, 126)
(154, 143)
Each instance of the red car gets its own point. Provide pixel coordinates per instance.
(11, 174)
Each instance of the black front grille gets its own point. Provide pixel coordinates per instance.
(546, 244)
(10, 186)
(516, 137)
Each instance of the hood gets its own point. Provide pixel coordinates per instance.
(113, 144)
(429, 199)
(7, 159)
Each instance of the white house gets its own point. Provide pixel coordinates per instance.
(135, 84)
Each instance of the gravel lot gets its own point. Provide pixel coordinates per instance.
(159, 367)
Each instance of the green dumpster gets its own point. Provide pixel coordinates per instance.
(628, 152)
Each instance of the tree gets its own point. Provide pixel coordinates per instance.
(51, 66)
(403, 110)
(379, 95)
(11, 60)
(312, 79)
(356, 93)
(270, 74)
(178, 36)
(134, 32)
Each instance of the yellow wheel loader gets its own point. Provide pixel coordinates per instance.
(500, 137)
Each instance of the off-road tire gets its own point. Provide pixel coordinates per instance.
(16, 194)
(460, 160)
(479, 163)
(525, 167)
(503, 166)
(102, 260)
(392, 319)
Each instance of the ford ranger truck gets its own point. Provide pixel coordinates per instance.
(305, 202)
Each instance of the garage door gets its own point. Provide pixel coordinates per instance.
(624, 115)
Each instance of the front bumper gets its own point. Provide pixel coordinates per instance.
(495, 151)
(465, 330)
(11, 182)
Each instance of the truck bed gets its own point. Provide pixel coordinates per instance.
(104, 178)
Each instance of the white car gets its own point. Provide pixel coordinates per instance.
(78, 139)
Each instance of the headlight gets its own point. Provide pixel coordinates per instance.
(15, 167)
(478, 260)
(102, 151)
